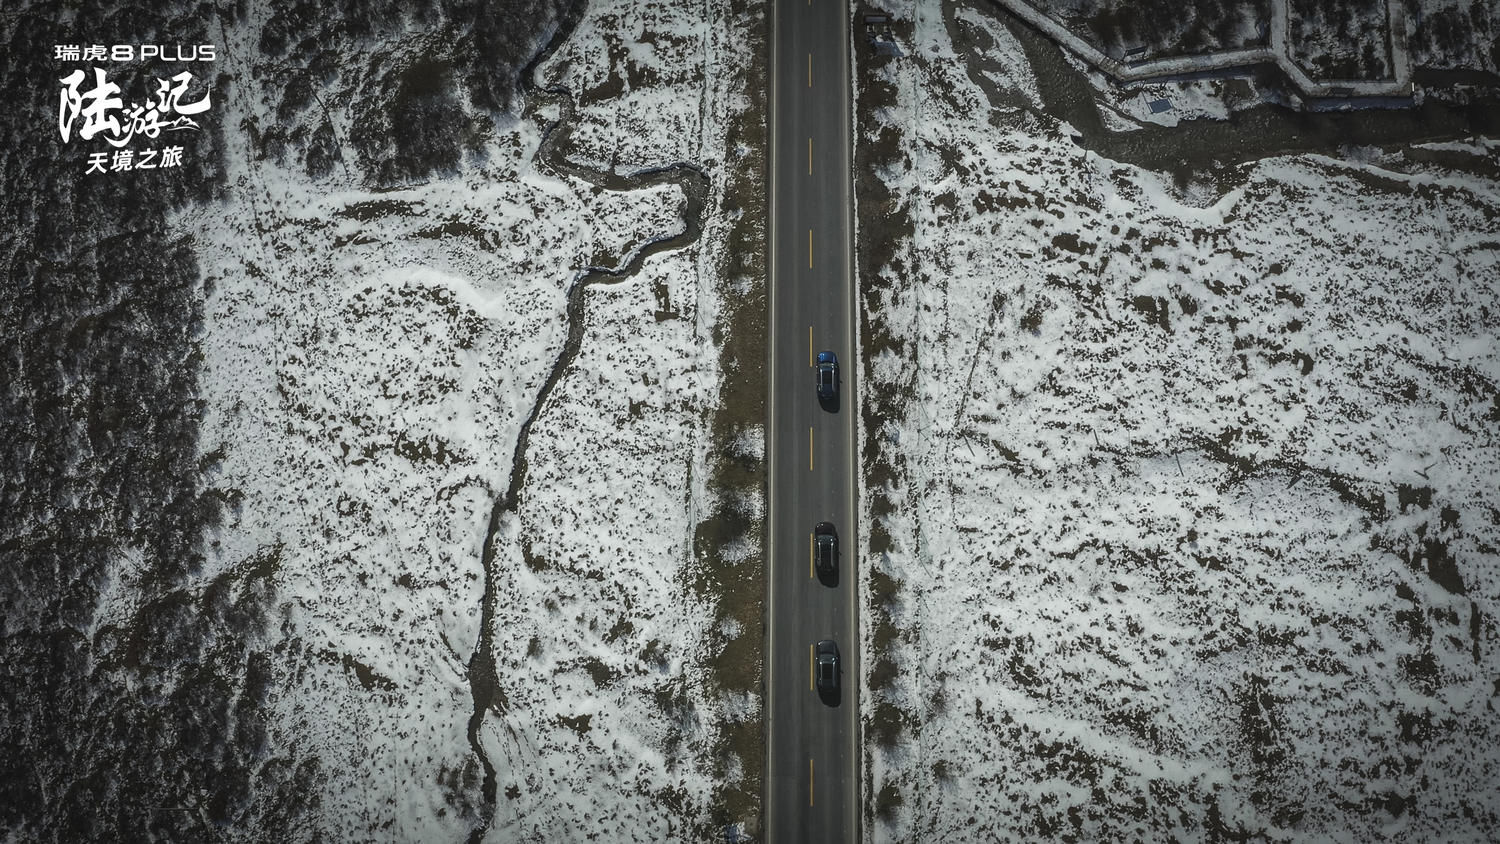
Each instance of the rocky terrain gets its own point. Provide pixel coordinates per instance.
(352, 469)
(1179, 455)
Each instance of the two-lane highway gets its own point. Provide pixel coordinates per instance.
(813, 754)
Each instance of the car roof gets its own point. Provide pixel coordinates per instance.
(827, 357)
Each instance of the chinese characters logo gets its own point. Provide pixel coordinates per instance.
(95, 109)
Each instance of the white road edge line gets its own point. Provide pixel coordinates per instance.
(852, 825)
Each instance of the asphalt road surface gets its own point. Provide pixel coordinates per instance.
(813, 757)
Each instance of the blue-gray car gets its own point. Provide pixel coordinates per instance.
(828, 376)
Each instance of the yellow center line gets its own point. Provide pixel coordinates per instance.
(809, 667)
(809, 556)
(809, 782)
(809, 448)
(809, 156)
(809, 346)
(809, 248)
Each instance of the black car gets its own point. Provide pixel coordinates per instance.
(828, 376)
(825, 548)
(827, 667)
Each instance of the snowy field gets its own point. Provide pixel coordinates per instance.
(1192, 518)
(369, 359)
(639, 73)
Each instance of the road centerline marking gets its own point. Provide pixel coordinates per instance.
(809, 556)
(809, 667)
(783, 734)
(809, 448)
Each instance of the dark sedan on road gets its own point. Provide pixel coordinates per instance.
(827, 663)
(826, 548)
(828, 376)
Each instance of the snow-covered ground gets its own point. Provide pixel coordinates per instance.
(1215, 60)
(1456, 34)
(1195, 529)
(1345, 40)
(639, 70)
(369, 359)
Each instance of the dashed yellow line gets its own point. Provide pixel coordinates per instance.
(809, 556)
(809, 62)
(809, 248)
(809, 667)
(809, 448)
(809, 782)
(809, 346)
(809, 156)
